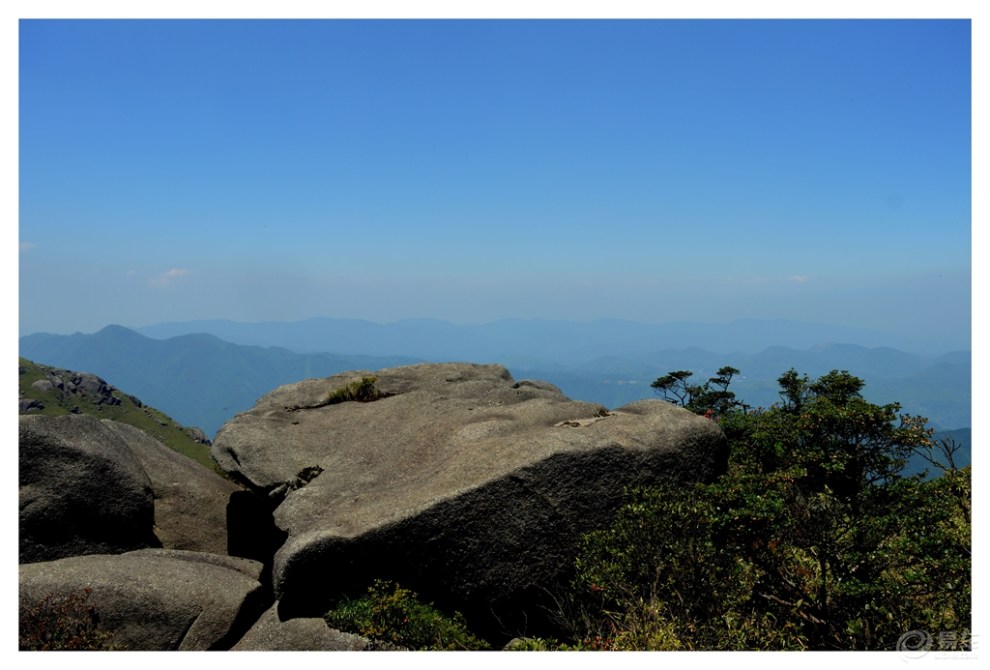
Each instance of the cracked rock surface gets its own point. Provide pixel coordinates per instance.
(458, 481)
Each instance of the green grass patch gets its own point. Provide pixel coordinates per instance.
(363, 390)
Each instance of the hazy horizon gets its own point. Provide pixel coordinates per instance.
(470, 171)
(944, 343)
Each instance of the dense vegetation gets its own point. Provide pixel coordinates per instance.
(814, 538)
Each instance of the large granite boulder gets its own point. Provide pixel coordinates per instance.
(453, 479)
(98, 487)
(155, 599)
(191, 502)
(82, 490)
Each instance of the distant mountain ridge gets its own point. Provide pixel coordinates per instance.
(936, 387)
(563, 342)
(203, 381)
(198, 379)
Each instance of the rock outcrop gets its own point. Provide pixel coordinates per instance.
(191, 502)
(67, 383)
(156, 600)
(454, 479)
(97, 487)
(82, 490)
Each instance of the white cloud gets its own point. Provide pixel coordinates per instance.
(800, 279)
(166, 279)
(25, 246)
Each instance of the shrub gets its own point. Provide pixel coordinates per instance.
(363, 390)
(62, 622)
(812, 539)
(393, 614)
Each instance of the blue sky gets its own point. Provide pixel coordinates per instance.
(655, 170)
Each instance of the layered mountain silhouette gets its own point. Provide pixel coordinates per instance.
(203, 380)
(198, 379)
(563, 342)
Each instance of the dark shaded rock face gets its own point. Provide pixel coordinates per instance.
(26, 405)
(458, 482)
(79, 383)
(154, 599)
(82, 490)
(96, 487)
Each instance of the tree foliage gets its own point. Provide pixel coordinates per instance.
(812, 539)
(713, 396)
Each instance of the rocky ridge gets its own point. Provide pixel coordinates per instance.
(455, 479)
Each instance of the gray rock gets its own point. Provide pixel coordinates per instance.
(82, 490)
(96, 389)
(156, 601)
(271, 633)
(90, 383)
(459, 483)
(190, 501)
(98, 487)
(198, 436)
(43, 385)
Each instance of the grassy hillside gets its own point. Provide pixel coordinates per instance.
(104, 403)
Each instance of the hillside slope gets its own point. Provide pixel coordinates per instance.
(53, 392)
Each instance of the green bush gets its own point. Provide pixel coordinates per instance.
(393, 614)
(62, 622)
(813, 539)
(530, 644)
(363, 390)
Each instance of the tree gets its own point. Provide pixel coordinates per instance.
(712, 398)
(812, 538)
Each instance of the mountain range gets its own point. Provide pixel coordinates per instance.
(509, 341)
(199, 380)
(203, 378)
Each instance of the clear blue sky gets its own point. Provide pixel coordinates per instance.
(658, 170)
